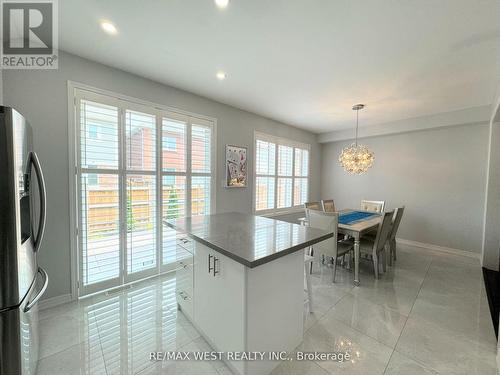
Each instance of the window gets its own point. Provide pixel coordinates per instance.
(170, 143)
(137, 165)
(92, 179)
(169, 180)
(93, 132)
(281, 173)
(99, 191)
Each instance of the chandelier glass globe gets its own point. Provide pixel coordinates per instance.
(356, 158)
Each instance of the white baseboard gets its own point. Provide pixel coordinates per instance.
(54, 301)
(442, 249)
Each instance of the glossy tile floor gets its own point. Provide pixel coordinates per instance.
(426, 315)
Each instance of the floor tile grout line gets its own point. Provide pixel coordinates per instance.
(100, 344)
(323, 369)
(348, 326)
(363, 333)
(323, 315)
(417, 361)
(367, 335)
(421, 283)
(379, 304)
(423, 364)
(59, 351)
(409, 313)
(386, 308)
(80, 341)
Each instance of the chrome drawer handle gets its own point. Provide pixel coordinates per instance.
(210, 268)
(216, 271)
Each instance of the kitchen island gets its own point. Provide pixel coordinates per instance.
(243, 288)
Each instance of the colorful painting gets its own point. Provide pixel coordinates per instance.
(236, 166)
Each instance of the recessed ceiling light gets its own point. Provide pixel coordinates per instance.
(222, 3)
(109, 27)
(221, 75)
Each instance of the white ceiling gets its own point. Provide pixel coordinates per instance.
(303, 62)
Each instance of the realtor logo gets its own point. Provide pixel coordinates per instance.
(29, 34)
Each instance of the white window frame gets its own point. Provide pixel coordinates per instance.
(283, 142)
(78, 91)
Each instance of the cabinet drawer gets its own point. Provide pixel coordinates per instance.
(185, 301)
(184, 285)
(185, 242)
(182, 257)
(184, 277)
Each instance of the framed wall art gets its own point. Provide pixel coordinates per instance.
(236, 166)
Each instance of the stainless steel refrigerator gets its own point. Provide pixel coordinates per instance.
(22, 223)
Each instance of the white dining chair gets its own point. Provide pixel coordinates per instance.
(331, 247)
(328, 205)
(308, 260)
(373, 206)
(313, 206)
(392, 235)
(305, 221)
(310, 206)
(377, 247)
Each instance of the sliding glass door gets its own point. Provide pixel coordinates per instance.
(187, 166)
(136, 167)
(175, 195)
(140, 189)
(99, 166)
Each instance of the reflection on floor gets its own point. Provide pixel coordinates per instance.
(426, 315)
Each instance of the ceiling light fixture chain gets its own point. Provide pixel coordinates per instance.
(356, 159)
(357, 125)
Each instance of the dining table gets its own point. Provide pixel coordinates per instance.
(355, 230)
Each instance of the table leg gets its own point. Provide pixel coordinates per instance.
(356, 261)
(311, 253)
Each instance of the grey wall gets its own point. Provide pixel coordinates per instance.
(42, 97)
(491, 245)
(439, 175)
(491, 240)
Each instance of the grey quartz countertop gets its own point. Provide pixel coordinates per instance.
(248, 239)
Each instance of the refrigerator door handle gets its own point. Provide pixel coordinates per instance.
(33, 160)
(39, 295)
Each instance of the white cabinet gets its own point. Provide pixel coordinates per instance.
(184, 276)
(241, 309)
(219, 294)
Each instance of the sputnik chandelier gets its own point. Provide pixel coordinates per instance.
(356, 159)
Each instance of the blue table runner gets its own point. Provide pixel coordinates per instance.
(351, 217)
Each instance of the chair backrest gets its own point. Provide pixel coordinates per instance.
(373, 206)
(328, 205)
(395, 223)
(383, 231)
(313, 206)
(326, 221)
